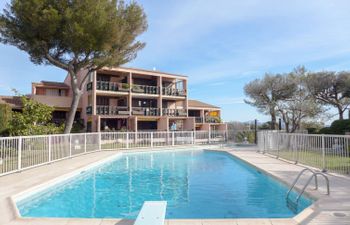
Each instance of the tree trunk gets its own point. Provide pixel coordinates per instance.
(74, 106)
(287, 127)
(273, 120)
(341, 113)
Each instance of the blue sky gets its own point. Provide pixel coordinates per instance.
(221, 45)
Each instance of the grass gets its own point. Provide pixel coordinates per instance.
(333, 162)
(37, 155)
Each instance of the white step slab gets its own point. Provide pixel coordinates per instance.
(152, 213)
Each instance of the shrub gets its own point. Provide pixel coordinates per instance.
(5, 118)
(78, 126)
(35, 119)
(337, 127)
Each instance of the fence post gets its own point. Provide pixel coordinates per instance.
(323, 154)
(70, 145)
(99, 141)
(85, 143)
(278, 144)
(127, 140)
(19, 166)
(296, 149)
(265, 137)
(173, 138)
(49, 149)
(151, 139)
(209, 136)
(193, 137)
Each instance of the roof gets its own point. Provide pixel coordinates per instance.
(148, 71)
(199, 104)
(13, 101)
(53, 84)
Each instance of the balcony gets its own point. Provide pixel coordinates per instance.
(174, 112)
(174, 92)
(145, 89)
(110, 86)
(142, 111)
(212, 119)
(199, 119)
(208, 119)
(112, 110)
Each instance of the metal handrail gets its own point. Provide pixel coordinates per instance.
(314, 175)
(307, 183)
(297, 178)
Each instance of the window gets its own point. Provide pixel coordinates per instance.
(52, 92)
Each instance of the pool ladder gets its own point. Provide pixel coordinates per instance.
(294, 204)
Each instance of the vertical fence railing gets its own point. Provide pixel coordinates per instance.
(326, 152)
(18, 153)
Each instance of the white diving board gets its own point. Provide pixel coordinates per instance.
(152, 213)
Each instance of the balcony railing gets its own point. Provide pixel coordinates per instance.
(199, 119)
(145, 111)
(173, 92)
(112, 110)
(145, 89)
(212, 119)
(208, 119)
(110, 86)
(174, 112)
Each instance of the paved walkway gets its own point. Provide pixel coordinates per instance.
(333, 209)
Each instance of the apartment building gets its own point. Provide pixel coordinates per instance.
(128, 99)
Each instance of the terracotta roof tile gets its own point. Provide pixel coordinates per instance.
(54, 84)
(199, 104)
(13, 101)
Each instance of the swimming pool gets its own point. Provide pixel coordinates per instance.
(196, 184)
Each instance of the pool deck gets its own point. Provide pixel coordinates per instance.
(333, 209)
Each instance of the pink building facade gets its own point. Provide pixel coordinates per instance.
(128, 99)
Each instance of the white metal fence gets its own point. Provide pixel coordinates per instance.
(18, 153)
(326, 152)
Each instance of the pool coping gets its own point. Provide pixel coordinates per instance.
(296, 219)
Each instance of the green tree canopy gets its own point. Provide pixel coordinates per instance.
(331, 89)
(35, 119)
(5, 118)
(300, 105)
(265, 93)
(79, 36)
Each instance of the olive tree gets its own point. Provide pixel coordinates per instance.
(78, 36)
(300, 105)
(265, 93)
(330, 89)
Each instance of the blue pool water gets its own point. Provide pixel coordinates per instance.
(196, 184)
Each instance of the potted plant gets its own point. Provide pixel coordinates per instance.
(124, 87)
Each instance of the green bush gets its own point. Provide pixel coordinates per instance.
(5, 118)
(240, 136)
(78, 126)
(325, 130)
(35, 119)
(337, 127)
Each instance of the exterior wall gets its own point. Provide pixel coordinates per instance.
(163, 124)
(205, 126)
(117, 75)
(189, 124)
(55, 101)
